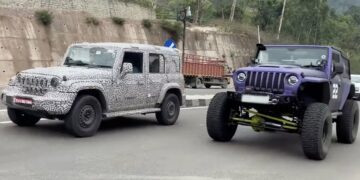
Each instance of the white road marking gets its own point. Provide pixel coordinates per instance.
(193, 97)
(133, 177)
(3, 110)
(190, 108)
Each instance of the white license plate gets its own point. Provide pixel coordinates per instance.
(256, 99)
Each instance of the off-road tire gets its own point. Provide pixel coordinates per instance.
(84, 117)
(217, 119)
(207, 86)
(22, 119)
(170, 110)
(316, 131)
(347, 124)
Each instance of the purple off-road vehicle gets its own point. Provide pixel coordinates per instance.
(291, 88)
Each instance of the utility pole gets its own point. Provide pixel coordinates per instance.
(185, 14)
(233, 7)
(281, 19)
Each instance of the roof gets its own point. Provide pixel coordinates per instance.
(300, 45)
(310, 46)
(130, 45)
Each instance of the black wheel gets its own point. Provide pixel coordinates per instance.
(347, 124)
(20, 118)
(207, 86)
(170, 110)
(217, 119)
(84, 117)
(316, 131)
(197, 83)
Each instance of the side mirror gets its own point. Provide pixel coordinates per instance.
(126, 68)
(253, 60)
(338, 68)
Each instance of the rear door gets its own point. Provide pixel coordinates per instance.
(156, 77)
(345, 81)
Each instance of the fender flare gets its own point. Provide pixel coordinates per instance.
(168, 87)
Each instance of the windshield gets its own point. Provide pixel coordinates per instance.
(90, 57)
(298, 56)
(355, 79)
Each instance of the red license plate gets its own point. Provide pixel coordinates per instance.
(23, 101)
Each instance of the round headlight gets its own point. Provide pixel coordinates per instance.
(18, 78)
(293, 80)
(54, 82)
(241, 76)
(12, 81)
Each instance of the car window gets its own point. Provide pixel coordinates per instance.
(346, 73)
(136, 59)
(173, 65)
(156, 63)
(336, 57)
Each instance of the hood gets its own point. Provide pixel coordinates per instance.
(306, 72)
(72, 73)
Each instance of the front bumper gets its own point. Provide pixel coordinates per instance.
(274, 99)
(52, 103)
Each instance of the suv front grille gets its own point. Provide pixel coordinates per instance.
(33, 84)
(266, 81)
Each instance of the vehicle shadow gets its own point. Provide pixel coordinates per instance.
(275, 145)
(56, 128)
(128, 122)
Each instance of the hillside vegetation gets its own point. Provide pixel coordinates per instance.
(305, 21)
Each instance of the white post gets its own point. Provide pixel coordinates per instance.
(281, 19)
(259, 38)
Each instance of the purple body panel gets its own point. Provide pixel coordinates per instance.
(266, 77)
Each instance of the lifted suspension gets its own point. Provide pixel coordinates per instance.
(260, 122)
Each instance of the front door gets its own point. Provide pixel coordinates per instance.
(130, 90)
(336, 85)
(156, 78)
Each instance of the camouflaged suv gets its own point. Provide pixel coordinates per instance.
(97, 81)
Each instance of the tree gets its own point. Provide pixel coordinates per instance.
(233, 7)
(267, 15)
(354, 12)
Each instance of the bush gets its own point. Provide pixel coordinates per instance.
(173, 28)
(147, 23)
(92, 20)
(143, 3)
(118, 21)
(44, 16)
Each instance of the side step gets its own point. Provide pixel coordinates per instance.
(124, 113)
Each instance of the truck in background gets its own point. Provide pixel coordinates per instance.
(207, 71)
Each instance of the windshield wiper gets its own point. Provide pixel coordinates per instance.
(101, 66)
(77, 63)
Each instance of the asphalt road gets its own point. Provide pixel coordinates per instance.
(137, 148)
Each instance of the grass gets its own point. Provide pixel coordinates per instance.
(118, 21)
(44, 16)
(146, 23)
(92, 20)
